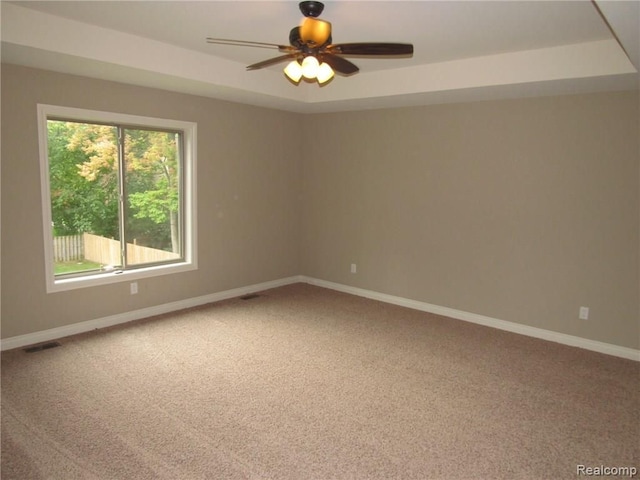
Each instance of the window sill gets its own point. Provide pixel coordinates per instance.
(117, 276)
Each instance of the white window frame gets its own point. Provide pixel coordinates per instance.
(189, 131)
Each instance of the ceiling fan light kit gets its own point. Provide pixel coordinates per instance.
(311, 53)
(310, 69)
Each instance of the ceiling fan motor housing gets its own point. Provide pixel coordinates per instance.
(294, 38)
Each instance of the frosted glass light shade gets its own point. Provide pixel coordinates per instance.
(293, 71)
(310, 67)
(325, 73)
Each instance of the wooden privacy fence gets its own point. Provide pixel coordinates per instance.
(104, 250)
(101, 250)
(68, 248)
(107, 252)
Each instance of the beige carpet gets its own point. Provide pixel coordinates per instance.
(307, 383)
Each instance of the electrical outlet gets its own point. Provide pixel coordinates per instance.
(354, 268)
(134, 288)
(584, 313)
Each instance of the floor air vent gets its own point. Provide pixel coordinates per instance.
(249, 296)
(43, 346)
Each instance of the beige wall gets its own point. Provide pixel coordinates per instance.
(521, 210)
(248, 190)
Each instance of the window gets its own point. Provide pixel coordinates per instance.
(118, 196)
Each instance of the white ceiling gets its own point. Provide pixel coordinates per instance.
(463, 51)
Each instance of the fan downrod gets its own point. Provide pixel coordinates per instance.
(311, 8)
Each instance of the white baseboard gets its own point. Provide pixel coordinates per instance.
(60, 332)
(601, 347)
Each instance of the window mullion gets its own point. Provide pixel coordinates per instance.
(123, 196)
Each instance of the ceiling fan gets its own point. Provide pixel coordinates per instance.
(310, 52)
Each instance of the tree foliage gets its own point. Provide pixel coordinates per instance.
(84, 178)
(80, 204)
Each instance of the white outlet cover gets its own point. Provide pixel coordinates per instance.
(584, 313)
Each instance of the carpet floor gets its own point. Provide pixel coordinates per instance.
(303, 382)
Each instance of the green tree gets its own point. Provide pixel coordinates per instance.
(153, 176)
(84, 182)
(79, 205)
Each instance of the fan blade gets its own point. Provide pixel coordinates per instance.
(315, 32)
(370, 49)
(246, 43)
(271, 61)
(339, 64)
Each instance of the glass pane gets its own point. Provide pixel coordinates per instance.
(152, 188)
(83, 180)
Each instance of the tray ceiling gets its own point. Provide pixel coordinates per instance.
(463, 51)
